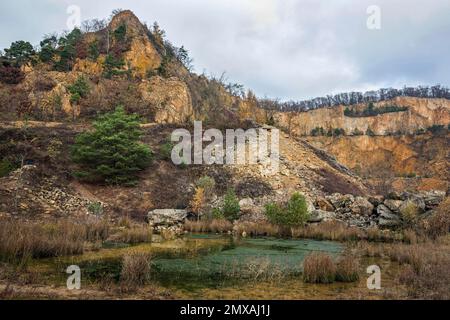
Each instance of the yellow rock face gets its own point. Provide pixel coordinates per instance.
(422, 113)
(55, 100)
(170, 99)
(142, 56)
(249, 110)
(391, 157)
(89, 67)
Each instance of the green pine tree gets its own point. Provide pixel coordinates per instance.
(112, 152)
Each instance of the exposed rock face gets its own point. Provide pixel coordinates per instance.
(391, 159)
(386, 160)
(248, 111)
(50, 101)
(89, 67)
(170, 99)
(142, 56)
(422, 113)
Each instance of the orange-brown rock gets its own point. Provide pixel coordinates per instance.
(422, 158)
(142, 56)
(421, 114)
(170, 98)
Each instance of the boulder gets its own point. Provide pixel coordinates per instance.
(246, 204)
(167, 217)
(361, 206)
(376, 200)
(320, 215)
(432, 198)
(382, 209)
(324, 204)
(389, 223)
(387, 218)
(393, 205)
(341, 201)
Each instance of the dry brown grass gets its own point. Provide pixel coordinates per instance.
(20, 241)
(255, 269)
(439, 223)
(214, 226)
(135, 272)
(424, 266)
(425, 269)
(96, 230)
(330, 230)
(136, 234)
(168, 234)
(431, 281)
(347, 269)
(220, 226)
(319, 268)
(256, 229)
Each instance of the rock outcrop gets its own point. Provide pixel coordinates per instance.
(421, 114)
(142, 56)
(376, 211)
(388, 160)
(169, 98)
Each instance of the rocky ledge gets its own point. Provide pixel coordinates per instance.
(385, 212)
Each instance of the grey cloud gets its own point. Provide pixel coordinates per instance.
(288, 49)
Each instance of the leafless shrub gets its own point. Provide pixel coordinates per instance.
(319, 268)
(135, 272)
(347, 269)
(255, 269)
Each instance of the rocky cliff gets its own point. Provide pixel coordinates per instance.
(414, 161)
(420, 114)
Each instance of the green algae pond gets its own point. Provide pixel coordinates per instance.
(196, 261)
(208, 266)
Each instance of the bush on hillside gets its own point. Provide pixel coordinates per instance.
(294, 213)
(231, 208)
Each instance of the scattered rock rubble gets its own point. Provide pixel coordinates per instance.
(26, 191)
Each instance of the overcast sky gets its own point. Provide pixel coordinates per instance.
(291, 49)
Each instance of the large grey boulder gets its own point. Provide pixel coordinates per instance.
(382, 209)
(317, 216)
(361, 206)
(393, 205)
(167, 217)
(246, 205)
(341, 201)
(387, 218)
(432, 198)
